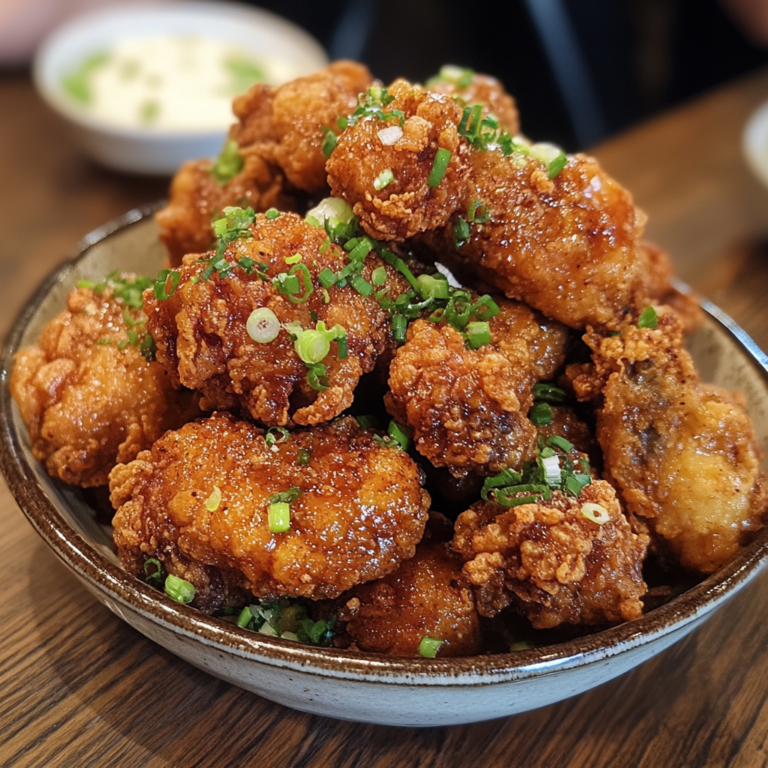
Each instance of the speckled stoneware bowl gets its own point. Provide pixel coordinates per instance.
(344, 684)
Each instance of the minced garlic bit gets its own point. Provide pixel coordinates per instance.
(391, 134)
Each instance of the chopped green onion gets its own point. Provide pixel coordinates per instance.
(399, 326)
(384, 179)
(379, 276)
(478, 334)
(179, 590)
(327, 278)
(552, 471)
(213, 502)
(478, 211)
(429, 646)
(361, 249)
(229, 162)
(560, 442)
(303, 457)
(541, 414)
(276, 435)
(555, 166)
(286, 497)
(648, 319)
(433, 287)
(548, 393)
(332, 208)
(361, 285)
(244, 619)
(439, 167)
(262, 325)
(312, 346)
(272, 213)
(317, 378)
(329, 141)
(161, 289)
(461, 232)
(597, 513)
(157, 571)
(279, 517)
(575, 483)
(367, 421)
(295, 259)
(399, 434)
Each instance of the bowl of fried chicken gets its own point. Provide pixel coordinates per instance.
(390, 413)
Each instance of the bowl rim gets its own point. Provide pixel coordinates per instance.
(252, 16)
(88, 562)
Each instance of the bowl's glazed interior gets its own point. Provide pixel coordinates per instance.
(347, 683)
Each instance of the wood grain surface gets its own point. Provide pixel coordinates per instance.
(80, 688)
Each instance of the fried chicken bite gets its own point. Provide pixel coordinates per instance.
(86, 393)
(476, 88)
(285, 125)
(565, 560)
(427, 596)
(202, 335)
(273, 158)
(683, 455)
(201, 501)
(400, 163)
(565, 245)
(468, 407)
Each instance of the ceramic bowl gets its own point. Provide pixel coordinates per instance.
(336, 683)
(152, 150)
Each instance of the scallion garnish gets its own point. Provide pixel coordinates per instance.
(461, 232)
(434, 287)
(276, 435)
(548, 393)
(229, 162)
(272, 213)
(648, 319)
(478, 334)
(317, 378)
(541, 414)
(262, 325)
(153, 570)
(279, 517)
(245, 617)
(303, 456)
(384, 179)
(429, 646)
(555, 166)
(295, 259)
(597, 513)
(179, 590)
(379, 276)
(166, 284)
(329, 140)
(399, 434)
(439, 167)
(399, 326)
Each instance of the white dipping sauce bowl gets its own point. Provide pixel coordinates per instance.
(152, 150)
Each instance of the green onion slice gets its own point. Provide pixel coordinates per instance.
(384, 179)
(597, 513)
(541, 414)
(262, 325)
(478, 334)
(648, 319)
(156, 571)
(439, 167)
(429, 646)
(279, 517)
(179, 590)
(166, 284)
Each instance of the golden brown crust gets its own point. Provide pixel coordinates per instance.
(202, 338)
(468, 408)
(408, 205)
(551, 562)
(87, 403)
(361, 510)
(683, 455)
(427, 596)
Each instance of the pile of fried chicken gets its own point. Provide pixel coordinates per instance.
(402, 254)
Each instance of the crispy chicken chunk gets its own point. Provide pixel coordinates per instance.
(202, 336)
(199, 502)
(377, 149)
(88, 397)
(278, 139)
(476, 88)
(552, 561)
(567, 246)
(427, 596)
(683, 455)
(468, 407)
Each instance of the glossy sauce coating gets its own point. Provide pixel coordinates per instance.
(361, 510)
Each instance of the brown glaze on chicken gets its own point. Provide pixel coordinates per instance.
(201, 330)
(552, 562)
(360, 512)
(88, 397)
(468, 407)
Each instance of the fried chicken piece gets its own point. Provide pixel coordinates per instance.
(476, 88)
(202, 338)
(656, 268)
(467, 407)
(552, 561)
(427, 596)
(367, 151)
(199, 502)
(88, 397)
(684, 456)
(197, 199)
(567, 245)
(285, 125)
(278, 137)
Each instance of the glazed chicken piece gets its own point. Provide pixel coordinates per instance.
(87, 394)
(273, 158)
(199, 502)
(567, 560)
(427, 596)
(476, 88)
(401, 165)
(682, 454)
(468, 407)
(202, 337)
(565, 245)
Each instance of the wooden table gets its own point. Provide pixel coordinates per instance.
(80, 688)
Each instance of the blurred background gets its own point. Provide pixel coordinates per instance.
(581, 70)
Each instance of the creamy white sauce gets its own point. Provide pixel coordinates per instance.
(172, 82)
